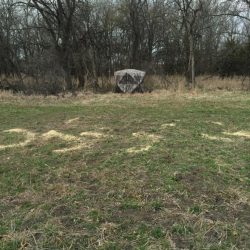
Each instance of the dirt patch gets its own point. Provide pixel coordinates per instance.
(216, 204)
(61, 210)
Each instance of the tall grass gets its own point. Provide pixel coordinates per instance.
(177, 83)
(174, 83)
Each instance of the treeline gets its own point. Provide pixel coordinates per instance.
(71, 41)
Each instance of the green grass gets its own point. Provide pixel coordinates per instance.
(183, 191)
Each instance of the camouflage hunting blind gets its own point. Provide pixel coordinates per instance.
(129, 80)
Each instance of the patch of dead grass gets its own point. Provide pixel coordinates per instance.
(167, 125)
(93, 134)
(144, 135)
(216, 138)
(72, 121)
(55, 134)
(30, 136)
(149, 138)
(70, 149)
(239, 134)
(217, 123)
(87, 139)
(136, 150)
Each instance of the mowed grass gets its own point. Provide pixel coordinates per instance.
(151, 171)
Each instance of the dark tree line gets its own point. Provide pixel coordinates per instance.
(70, 41)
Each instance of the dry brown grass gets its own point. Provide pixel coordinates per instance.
(177, 83)
(239, 133)
(215, 82)
(216, 138)
(173, 83)
(30, 136)
(206, 83)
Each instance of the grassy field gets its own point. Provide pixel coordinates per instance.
(152, 171)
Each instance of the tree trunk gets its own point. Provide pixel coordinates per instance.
(68, 77)
(193, 82)
(81, 79)
(135, 50)
(69, 83)
(65, 62)
(191, 64)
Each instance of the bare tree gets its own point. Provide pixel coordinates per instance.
(190, 11)
(57, 16)
(9, 20)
